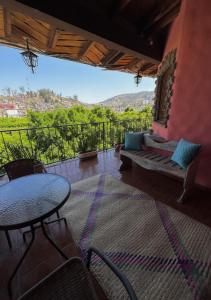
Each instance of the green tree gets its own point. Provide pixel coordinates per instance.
(62, 133)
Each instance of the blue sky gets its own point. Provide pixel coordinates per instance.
(90, 84)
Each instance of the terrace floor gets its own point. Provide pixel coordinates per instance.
(42, 258)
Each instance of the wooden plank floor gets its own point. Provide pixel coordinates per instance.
(42, 258)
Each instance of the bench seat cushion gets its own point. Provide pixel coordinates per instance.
(154, 161)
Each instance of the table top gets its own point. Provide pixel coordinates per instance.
(30, 199)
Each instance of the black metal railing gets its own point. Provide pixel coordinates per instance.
(53, 144)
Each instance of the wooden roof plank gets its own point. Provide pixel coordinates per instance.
(85, 49)
(132, 63)
(69, 42)
(90, 58)
(33, 23)
(93, 57)
(102, 48)
(95, 54)
(21, 35)
(72, 36)
(29, 30)
(44, 24)
(97, 51)
(66, 49)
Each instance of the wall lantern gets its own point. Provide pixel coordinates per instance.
(138, 77)
(30, 58)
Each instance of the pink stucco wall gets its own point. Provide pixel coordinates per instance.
(190, 113)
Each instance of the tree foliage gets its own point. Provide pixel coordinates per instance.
(63, 133)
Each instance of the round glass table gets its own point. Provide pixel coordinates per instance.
(29, 200)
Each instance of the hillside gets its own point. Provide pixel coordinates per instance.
(133, 100)
(17, 104)
(14, 104)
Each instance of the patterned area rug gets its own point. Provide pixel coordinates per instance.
(164, 254)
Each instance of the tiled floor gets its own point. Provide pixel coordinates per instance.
(42, 258)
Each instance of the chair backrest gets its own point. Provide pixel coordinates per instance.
(23, 167)
(69, 281)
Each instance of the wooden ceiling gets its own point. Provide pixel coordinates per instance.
(123, 35)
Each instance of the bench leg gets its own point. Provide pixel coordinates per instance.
(189, 181)
(184, 196)
(126, 163)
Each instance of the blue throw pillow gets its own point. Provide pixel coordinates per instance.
(184, 153)
(134, 140)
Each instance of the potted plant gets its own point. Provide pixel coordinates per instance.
(118, 143)
(87, 147)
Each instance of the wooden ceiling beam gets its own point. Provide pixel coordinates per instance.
(146, 66)
(7, 23)
(116, 67)
(142, 67)
(116, 58)
(165, 10)
(53, 37)
(112, 57)
(92, 25)
(133, 63)
(168, 18)
(118, 6)
(122, 5)
(156, 17)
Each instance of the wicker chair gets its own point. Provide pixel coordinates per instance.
(24, 167)
(71, 281)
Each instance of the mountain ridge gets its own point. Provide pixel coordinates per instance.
(134, 100)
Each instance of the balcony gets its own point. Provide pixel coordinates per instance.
(142, 36)
(42, 258)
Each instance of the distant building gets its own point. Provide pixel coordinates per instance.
(12, 113)
(7, 106)
(12, 110)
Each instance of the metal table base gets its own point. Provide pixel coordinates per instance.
(33, 229)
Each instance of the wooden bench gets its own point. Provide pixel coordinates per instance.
(150, 159)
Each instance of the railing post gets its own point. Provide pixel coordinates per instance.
(103, 136)
(5, 146)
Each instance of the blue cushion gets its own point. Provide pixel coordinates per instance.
(184, 153)
(133, 140)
